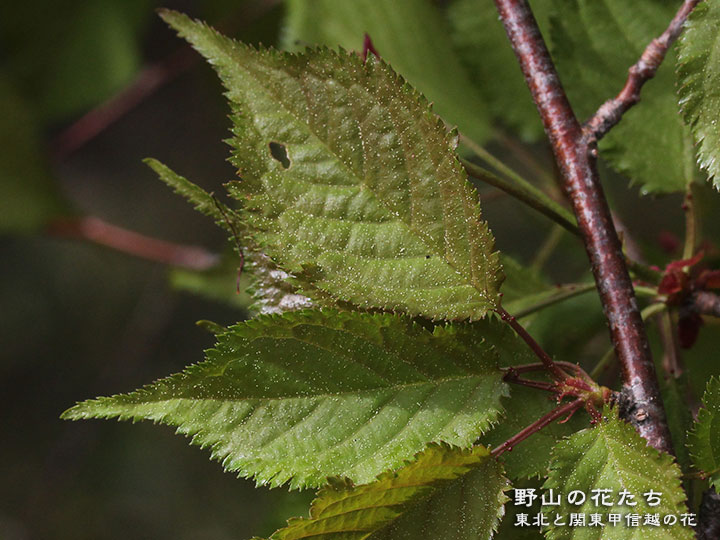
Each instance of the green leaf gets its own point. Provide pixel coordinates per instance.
(595, 42)
(445, 493)
(704, 439)
(28, 194)
(201, 200)
(679, 416)
(483, 47)
(699, 75)
(270, 288)
(411, 35)
(307, 395)
(373, 207)
(508, 529)
(613, 456)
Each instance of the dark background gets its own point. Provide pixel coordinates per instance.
(78, 320)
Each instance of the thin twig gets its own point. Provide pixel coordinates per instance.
(671, 361)
(538, 385)
(498, 164)
(100, 232)
(526, 193)
(530, 161)
(562, 292)
(555, 371)
(566, 409)
(642, 71)
(575, 156)
(693, 225)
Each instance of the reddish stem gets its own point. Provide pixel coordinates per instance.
(525, 368)
(544, 357)
(567, 409)
(575, 157)
(539, 385)
(107, 113)
(642, 71)
(96, 230)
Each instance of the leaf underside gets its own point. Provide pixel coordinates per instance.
(445, 493)
(704, 439)
(699, 74)
(307, 395)
(594, 44)
(613, 456)
(368, 203)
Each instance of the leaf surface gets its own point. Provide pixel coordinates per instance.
(308, 395)
(408, 34)
(350, 183)
(699, 74)
(613, 456)
(704, 439)
(594, 44)
(445, 493)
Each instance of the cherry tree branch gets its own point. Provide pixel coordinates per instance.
(642, 71)
(575, 155)
(95, 230)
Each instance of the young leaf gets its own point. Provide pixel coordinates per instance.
(201, 200)
(445, 493)
(482, 45)
(704, 439)
(595, 42)
(270, 288)
(699, 75)
(613, 456)
(307, 395)
(350, 182)
(411, 36)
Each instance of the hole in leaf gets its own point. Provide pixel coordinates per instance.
(279, 153)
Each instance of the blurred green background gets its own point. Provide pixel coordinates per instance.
(78, 320)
